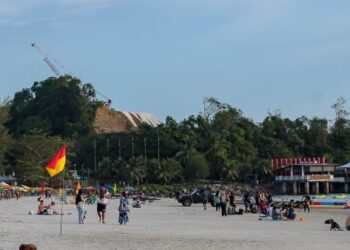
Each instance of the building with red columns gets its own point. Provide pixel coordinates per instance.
(309, 176)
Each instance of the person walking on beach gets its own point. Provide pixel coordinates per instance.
(123, 209)
(246, 200)
(205, 196)
(232, 200)
(217, 200)
(102, 205)
(306, 202)
(223, 202)
(79, 202)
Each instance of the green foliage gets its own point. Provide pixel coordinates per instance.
(218, 144)
(58, 106)
(168, 170)
(196, 168)
(5, 138)
(31, 153)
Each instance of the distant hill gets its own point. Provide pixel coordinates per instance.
(111, 121)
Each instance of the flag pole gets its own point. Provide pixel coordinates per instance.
(63, 195)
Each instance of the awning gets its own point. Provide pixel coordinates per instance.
(346, 166)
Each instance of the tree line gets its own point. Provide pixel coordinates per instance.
(219, 143)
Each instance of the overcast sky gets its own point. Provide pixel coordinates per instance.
(165, 56)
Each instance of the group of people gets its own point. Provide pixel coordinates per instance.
(225, 202)
(102, 203)
(48, 209)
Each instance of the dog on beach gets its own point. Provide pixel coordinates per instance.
(334, 225)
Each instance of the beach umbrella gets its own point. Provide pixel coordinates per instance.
(25, 187)
(4, 185)
(91, 188)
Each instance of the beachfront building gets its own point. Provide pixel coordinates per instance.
(309, 176)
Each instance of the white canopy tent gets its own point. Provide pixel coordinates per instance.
(344, 167)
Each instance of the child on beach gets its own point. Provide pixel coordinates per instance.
(123, 209)
(102, 205)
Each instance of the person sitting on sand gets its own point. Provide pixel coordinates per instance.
(275, 215)
(270, 209)
(263, 207)
(51, 210)
(42, 209)
(290, 212)
(253, 209)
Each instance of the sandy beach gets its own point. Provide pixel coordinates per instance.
(165, 224)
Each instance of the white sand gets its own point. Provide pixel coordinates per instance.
(166, 224)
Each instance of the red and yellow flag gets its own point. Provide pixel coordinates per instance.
(57, 164)
(77, 188)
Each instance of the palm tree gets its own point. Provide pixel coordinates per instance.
(137, 170)
(169, 170)
(231, 170)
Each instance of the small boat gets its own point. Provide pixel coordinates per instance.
(320, 196)
(340, 196)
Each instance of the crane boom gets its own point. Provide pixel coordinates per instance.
(46, 59)
(50, 62)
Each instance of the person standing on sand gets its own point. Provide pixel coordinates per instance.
(102, 205)
(306, 202)
(223, 202)
(79, 202)
(205, 198)
(123, 209)
(246, 200)
(217, 200)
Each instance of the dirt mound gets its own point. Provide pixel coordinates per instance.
(111, 121)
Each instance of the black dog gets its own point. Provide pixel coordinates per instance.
(334, 226)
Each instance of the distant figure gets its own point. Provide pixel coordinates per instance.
(205, 196)
(290, 212)
(27, 247)
(347, 223)
(232, 199)
(17, 194)
(306, 203)
(246, 200)
(217, 200)
(223, 202)
(269, 198)
(263, 207)
(79, 202)
(102, 205)
(123, 209)
(275, 214)
(51, 210)
(42, 208)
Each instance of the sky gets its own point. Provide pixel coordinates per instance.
(165, 56)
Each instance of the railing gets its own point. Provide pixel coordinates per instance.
(305, 178)
(338, 179)
(291, 178)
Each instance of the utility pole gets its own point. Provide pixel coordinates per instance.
(120, 151)
(132, 147)
(145, 146)
(95, 158)
(158, 148)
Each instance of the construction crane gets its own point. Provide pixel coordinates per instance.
(50, 62)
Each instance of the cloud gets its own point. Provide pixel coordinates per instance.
(14, 13)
